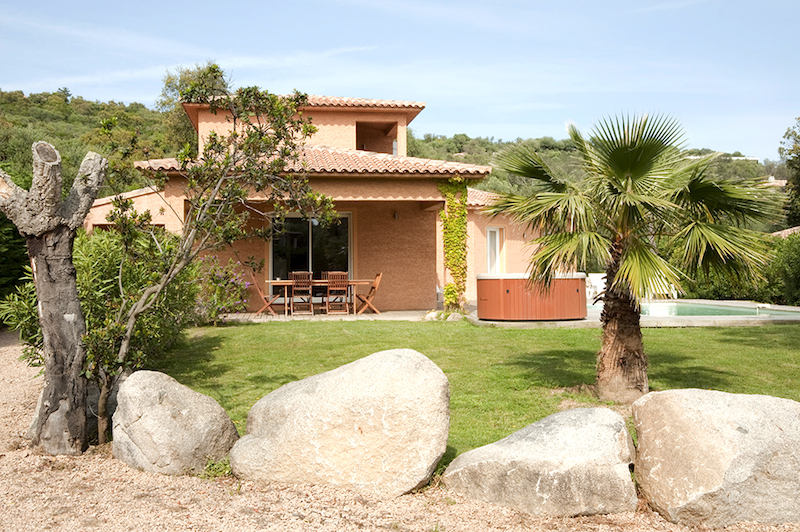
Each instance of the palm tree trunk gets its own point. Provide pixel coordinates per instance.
(621, 362)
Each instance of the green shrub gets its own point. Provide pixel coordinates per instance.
(110, 276)
(787, 266)
(223, 289)
(780, 283)
(18, 311)
(216, 469)
(112, 273)
(717, 287)
(13, 256)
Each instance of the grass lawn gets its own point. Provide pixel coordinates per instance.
(500, 379)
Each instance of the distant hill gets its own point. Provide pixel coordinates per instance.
(72, 125)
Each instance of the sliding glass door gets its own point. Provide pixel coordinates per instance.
(306, 246)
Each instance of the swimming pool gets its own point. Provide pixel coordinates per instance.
(695, 308)
(680, 308)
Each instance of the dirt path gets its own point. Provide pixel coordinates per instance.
(96, 492)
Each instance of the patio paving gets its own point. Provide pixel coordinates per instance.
(395, 315)
(591, 321)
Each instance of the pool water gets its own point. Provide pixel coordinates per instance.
(671, 308)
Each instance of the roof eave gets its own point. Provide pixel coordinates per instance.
(193, 111)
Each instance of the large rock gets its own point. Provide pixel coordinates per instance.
(575, 462)
(163, 426)
(715, 458)
(378, 425)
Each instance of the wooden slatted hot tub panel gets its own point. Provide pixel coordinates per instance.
(507, 298)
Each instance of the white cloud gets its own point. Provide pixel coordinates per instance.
(110, 39)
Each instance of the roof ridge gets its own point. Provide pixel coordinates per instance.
(315, 100)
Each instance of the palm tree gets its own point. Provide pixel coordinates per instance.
(637, 193)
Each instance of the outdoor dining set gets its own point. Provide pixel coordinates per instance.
(333, 293)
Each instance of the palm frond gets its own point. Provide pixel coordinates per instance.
(547, 212)
(563, 252)
(631, 149)
(627, 160)
(738, 202)
(726, 249)
(644, 273)
(522, 160)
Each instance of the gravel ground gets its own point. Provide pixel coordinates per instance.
(97, 492)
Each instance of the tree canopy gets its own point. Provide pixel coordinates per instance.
(790, 152)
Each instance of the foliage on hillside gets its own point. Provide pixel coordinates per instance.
(75, 125)
(13, 256)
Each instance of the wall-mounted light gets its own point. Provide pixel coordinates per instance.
(395, 215)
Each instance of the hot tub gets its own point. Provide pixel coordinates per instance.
(506, 297)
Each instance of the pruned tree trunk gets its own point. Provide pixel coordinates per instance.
(621, 362)
(103, 417)
(61, 426)
(49, 225)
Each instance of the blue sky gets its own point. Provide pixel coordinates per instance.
(505, 69)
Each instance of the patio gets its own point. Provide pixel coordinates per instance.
(591, 321)
(389, 315)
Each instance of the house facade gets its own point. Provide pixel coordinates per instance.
(388, 203)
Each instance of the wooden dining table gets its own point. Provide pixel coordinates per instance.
(284, 284)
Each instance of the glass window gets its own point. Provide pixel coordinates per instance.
(494, 248)
(305, 245)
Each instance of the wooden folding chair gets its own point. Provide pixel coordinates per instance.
(337, 295)
(367, 298)
(267, 300)
(302, 293)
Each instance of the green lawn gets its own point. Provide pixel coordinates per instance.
(500, 379)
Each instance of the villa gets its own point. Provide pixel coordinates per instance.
(389, 206)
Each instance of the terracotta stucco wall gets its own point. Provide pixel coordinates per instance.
(165, 207)
(338, 128)
(335, 128)
(241, 251)
(378, 189)
(209, 122)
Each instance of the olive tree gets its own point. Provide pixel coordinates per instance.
(265, 136)
(49, 223)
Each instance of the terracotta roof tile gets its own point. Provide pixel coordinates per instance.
(160, 165)
(336, 101)
(480, 198)
(324, 160)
